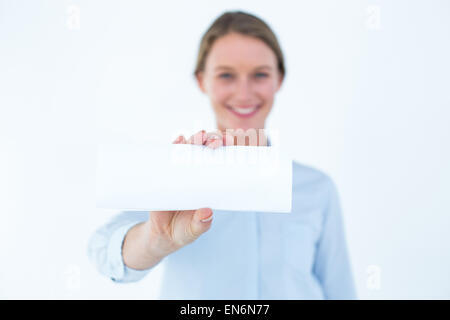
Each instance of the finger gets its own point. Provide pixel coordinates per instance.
(159, 219)
(213, 137)
(214, 143)
(179, 140)
(202, 216)
(201, 221)
(199, 138)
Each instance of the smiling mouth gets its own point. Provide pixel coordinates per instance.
(244, 112)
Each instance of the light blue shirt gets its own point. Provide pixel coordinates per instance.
(249, 255)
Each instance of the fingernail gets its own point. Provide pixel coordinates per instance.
(214, 138)
(207, 219)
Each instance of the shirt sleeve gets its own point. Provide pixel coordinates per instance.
(105, 247)
(332, 265)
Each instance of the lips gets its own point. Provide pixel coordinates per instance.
(244, 111)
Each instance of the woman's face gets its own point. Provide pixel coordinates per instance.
(241, 78)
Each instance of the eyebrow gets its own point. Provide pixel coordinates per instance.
(259, 67)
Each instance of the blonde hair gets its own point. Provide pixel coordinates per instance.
(242, 23)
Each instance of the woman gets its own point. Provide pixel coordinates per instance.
(236, 255)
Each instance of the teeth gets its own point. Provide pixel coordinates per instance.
(244, 110)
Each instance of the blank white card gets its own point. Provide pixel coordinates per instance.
(154, 176)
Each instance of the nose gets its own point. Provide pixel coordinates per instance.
(243, 90)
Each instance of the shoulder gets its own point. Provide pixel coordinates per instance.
(304, 176)
(311, 187)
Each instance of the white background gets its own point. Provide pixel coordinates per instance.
(366, 99)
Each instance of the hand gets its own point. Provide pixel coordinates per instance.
(171, 230)
(212, 139)
(164, 232)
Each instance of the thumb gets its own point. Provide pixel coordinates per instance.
(201, 221)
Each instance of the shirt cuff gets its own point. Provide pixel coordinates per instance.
(118, 270)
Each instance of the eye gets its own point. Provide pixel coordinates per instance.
(261, 75)
(226, 75)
